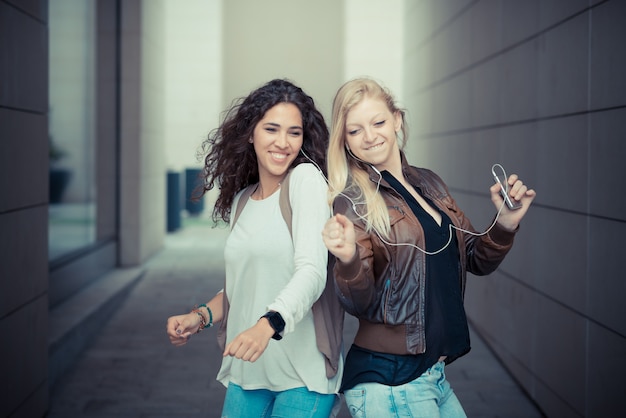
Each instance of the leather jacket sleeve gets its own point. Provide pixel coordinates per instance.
(356, 281)
(482, 253)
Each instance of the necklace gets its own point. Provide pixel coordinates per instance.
(258, 190)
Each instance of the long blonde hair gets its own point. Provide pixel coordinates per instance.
(345, 173)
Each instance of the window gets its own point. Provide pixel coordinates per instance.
(72, 97)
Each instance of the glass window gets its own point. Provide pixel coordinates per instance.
(72, 46)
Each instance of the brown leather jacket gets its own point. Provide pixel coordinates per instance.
(383, 286)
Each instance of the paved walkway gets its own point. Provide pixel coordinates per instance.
(131, 370)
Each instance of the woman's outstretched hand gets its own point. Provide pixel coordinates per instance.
(250, 344)
(181, 327)
(339, 237)
(518, 192)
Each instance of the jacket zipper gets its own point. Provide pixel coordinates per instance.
(387, 285)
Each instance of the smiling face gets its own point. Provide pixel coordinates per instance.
(277, 140)
(370, 134)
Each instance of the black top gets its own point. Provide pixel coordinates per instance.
(447, 333)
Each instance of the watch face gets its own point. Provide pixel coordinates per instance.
(276, 321)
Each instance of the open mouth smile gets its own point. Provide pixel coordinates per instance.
(278, 156)
(375, 147)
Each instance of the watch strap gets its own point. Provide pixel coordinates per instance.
(277, 323)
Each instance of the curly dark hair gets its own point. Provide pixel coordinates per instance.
(230, 160)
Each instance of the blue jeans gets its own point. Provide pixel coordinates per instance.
(428, 396)
(263, 403)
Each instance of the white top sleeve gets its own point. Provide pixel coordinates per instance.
(310, 211)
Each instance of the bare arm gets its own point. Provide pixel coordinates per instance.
(181, 327)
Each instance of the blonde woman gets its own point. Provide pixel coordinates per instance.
(403, 249)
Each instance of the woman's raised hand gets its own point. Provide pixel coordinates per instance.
(518, 192)
(339, 237)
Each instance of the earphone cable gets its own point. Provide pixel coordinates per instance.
(450, 226)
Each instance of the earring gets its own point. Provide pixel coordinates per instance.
(250, 140)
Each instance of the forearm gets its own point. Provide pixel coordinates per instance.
(355, 283)
(295, 299)
(213, 310)
(487, 252)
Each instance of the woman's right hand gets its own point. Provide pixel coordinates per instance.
(181, 327)
(339, 237)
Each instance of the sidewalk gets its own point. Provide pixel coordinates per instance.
(131, 369)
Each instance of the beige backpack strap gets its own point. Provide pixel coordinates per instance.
(283, 199)
(247, 192)
(221, 331)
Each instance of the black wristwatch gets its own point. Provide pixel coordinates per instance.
(277, 322)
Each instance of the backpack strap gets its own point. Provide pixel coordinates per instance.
(221, 331)
(285, 205)
(247, 192)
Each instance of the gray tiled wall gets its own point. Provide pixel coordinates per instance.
(23, 208)
(539, 87)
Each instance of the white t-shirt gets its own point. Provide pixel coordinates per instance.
(267, 270)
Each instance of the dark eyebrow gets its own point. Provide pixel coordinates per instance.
(277, 125)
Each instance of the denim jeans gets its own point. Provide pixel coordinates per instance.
(430, 395)
(263, 403)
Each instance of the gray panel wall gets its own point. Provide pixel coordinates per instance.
(539, 87)
(25, 294)
(23, 208)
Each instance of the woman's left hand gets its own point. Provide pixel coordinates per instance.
(250, 344)
(518, 192)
